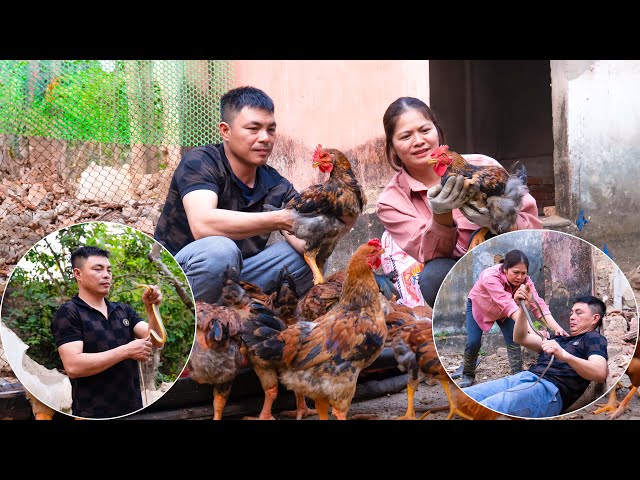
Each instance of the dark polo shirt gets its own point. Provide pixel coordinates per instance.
(207, 168)
(561, 374)
(116, 390)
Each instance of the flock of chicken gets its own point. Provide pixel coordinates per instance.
(317, 346)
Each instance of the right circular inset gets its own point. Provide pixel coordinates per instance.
(535, 324)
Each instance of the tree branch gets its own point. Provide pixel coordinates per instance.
(154, 256)
(64, 287)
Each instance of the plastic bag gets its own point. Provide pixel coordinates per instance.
(408, 269)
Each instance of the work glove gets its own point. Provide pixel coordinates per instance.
(453, 194)
(480, 218)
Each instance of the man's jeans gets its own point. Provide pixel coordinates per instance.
(205, 261)
(540, 401)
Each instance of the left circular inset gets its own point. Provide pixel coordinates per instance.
(97, 321)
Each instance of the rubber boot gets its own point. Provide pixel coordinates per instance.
(468, 370)
(514, 352)
(458, 373)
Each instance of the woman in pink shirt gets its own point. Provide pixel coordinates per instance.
(423, 217)
(491, 300)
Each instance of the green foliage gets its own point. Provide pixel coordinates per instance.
(80, 100)
(441, 335)
(43, 280)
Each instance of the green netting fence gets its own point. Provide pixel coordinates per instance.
(85, 140)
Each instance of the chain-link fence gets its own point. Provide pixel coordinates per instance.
(97, 140)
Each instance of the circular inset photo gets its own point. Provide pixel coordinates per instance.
(535, 324)
(98, 321)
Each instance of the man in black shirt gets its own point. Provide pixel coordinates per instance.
(579, 359)
(100, 341)
(213, 217)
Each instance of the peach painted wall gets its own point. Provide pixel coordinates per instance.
(338, 103)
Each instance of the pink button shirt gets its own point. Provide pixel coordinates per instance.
(492, 298)
(404, 211)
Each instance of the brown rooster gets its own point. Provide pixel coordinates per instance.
(322, 359)
(216, 357)
(633, 371)
(242, 297)
(415, 352)
(495, 191)
(321, 211)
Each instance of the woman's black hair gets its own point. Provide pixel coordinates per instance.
(512, 258)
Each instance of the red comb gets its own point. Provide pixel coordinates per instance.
(374, 242)
(317, 152)
(442, 149)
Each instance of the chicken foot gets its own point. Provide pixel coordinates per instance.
(453, 407)
(623, 405)
(612, 404)
(301, 411)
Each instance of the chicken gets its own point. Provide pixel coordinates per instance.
(216, 357)
(633, 371)
(322, 359)
(243, 297)
(321, 211)
(415, 352)
(320, 298)
(494, 190)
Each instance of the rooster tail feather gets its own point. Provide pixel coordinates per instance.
(261, 333)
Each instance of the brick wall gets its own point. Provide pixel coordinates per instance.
(543, 190)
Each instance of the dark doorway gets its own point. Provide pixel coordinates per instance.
(500, 108)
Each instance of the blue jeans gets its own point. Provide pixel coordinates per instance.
(474, 332)
(540, 401)
(205, 261)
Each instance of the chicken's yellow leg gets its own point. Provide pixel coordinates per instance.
(301, 411)
(478, 238)
(453, 408)
(412, 386)
(612, 404)
(317, 274)
(322, 405)
(624, 403)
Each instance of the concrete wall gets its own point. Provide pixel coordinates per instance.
(596, 120)
(339, 104)
(568, 273)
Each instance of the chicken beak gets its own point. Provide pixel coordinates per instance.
(316, 164)
(432, 161)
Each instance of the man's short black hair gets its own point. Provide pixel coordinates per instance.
(595, 304)
(236, 99)
(82, 253)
